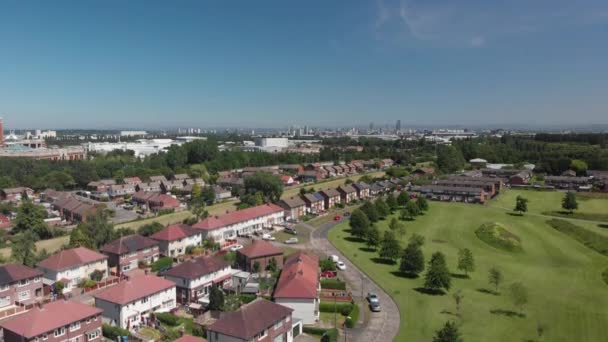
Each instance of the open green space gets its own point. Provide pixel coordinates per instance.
(567, 293)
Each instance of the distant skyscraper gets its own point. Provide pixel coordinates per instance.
(398, 126)
(371, 126)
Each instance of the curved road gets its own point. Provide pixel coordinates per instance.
(381, 326)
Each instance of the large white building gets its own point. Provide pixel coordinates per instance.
(141, 147)
(240, 222)
(70, 266)
(130, 303)
(271, 144)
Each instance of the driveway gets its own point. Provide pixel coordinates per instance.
(381, 326)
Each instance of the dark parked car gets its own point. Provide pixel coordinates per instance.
(290, 230)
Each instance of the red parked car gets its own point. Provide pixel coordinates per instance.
(337, 218)
(328, 274)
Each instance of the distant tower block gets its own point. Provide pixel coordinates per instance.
(398, 126)
(1, 132)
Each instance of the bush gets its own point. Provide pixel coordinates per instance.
(334, 284)
(595, 241)
(327, 265)
(161, 263)
(86, 283)
(168, 319)
(353, 317)
(330, 307)
(497, 236)
(330, 335)
(96, 275)
(165, 212)
(112, 332)
(247, 298)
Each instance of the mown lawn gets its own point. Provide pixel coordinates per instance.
(563, 277)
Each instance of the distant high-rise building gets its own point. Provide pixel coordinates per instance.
(1, 132)
(398, 126)
(371, 126)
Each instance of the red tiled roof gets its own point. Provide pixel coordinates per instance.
(188, 338)
(215, 222)
(259, 248)
(251, 319)
(174, 232)
(134, 289)
(197, 268)
(299, 277)
(51, 316)
(71, 257)
(128, 244)
(11, 273)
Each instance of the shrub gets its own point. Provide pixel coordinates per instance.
(168, 319)
(329, 306)
(161, 263)
(112, 332)
(330, 335)
(497, 236)
(247, 298)
(86, 283)
(334, 284)
(353, 317)
(96, 275)
(327, 265)
(595, 241)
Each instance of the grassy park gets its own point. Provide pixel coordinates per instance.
(563, 277)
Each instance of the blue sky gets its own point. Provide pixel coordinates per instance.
(108, 64)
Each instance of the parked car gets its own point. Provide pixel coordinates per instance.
(291, 241)
(290, 230)
(341, 266)
(334, 258)
(328, 274)
(268, 237)
(347, 214)
(337, 218)
(372, 298)
(236, 247)
(375, 307)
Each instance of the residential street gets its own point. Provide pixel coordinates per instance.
(381, 326)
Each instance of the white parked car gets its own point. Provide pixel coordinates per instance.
(236, 247)
(341, 266)
(291, 241)
(268, 237)
(334, 258)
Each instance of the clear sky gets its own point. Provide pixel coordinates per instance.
(108, 64)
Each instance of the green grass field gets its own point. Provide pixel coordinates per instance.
(563, 277)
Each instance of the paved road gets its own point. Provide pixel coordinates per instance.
(381, 326)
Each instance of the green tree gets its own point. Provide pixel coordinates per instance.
(208, 195)
(391, 201)
(495, 278)
(521, 205)
(23, 248)
(466, 262)
(232, 302)
(216, 298)
(267, 184)
(389, 247)
(397, 227)
(150, 228)
(98, 228)
(373, 237)
(359, 223)
(449, 333)
(579, 166)
(327, 265)
(458, 297)
(382, 208)
(403, 198)
(79, 238)
(176, 157)
(196, 193)
(272, 265)
(569, 202)
(59, 180)
(519, 295)
(31, 217)
(410, 211)
(370, 211)
(449, 159)
(417, 239)
(437, 276)
(256, 267)
(412, 259)
(423, 204)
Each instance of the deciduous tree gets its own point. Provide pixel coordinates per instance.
(569, 201)
(359, 223)
(449, 333)
(437, 275)
(412, 260)
(466, 262)
(495, 277)
(389, 247)
(521, 205)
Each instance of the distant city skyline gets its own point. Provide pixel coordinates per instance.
(156, 64)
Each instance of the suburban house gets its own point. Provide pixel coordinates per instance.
(568, 183)
(423, 172)
(261, 252)
(287, 180)
(121, 190)
(128, 251)
(101, 185)
(54, 322)
(375, 189)
(130, 303)
(347, 193)
(19, 285)
(362, 190)
(240, 223)
(72, 209)
(386, 163)
(221, 194)
(299, 287)
(175, 239)
(189, 338)
(181, 176)
(465, 182)
(331, 197)
(158, 179)
(131, 180)
(498, 182)
(478, 163)
(15, 194)
(314, 203)
(291, 168)
(155, 201)
(260, 320)
(521, 178)
(148, 187)
(451, 193)
(294, 208)
(70, 266)
(194, 278)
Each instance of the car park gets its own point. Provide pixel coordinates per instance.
(341, 266)
(291, 241)
(236, 247)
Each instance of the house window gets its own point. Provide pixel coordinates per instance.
(36, 339)
(93, 334)
(88, 320)
(37, 279)
(59, 332)
(144, 300)
(45, 337)
(278, 325)
(262, 334)
(3, 287)
(74, 326)
(24, 282)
